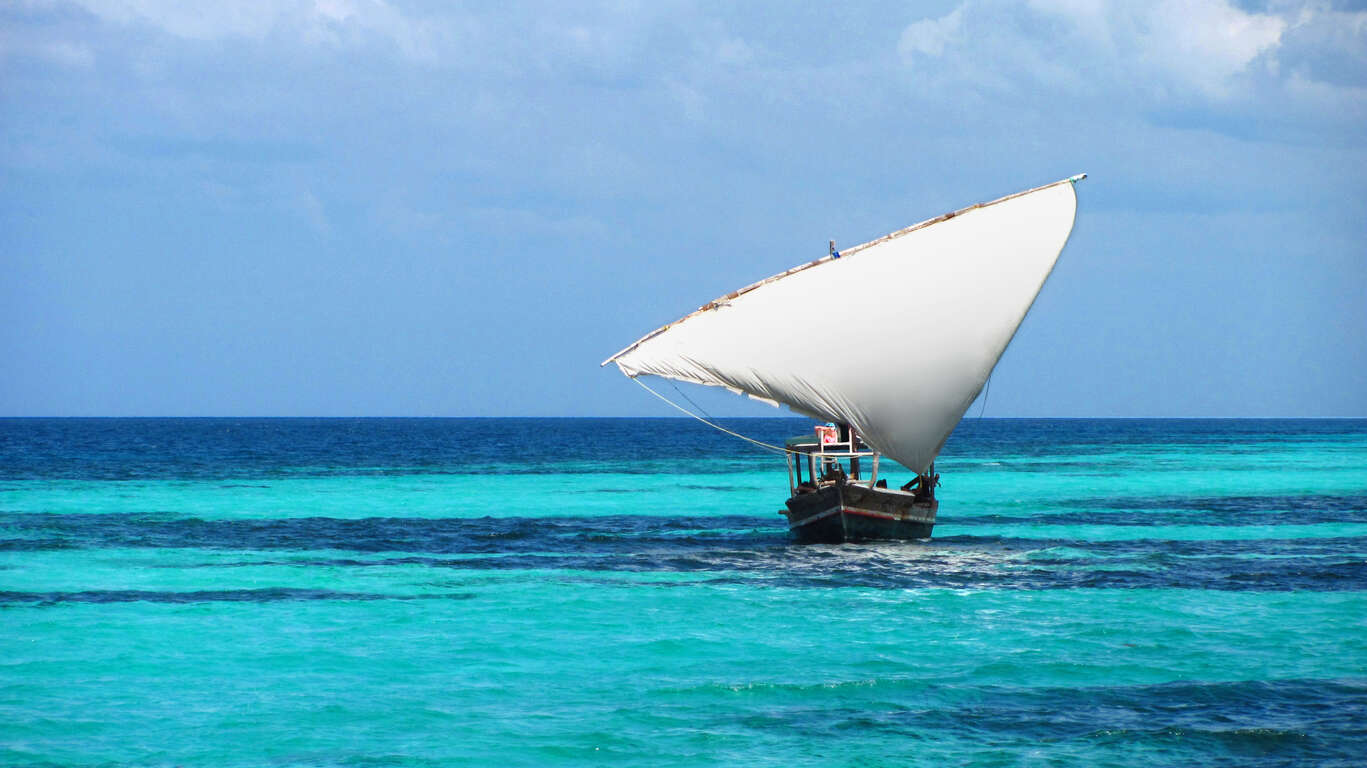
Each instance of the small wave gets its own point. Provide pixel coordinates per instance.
(267, 595)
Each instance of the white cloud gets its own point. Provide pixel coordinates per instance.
(734, 52)
(195, 21)
(318, 22)
(1329, 45)
(1206, 43)
(61, 53)
(308, 207)
(929, 37)
(1200, 46)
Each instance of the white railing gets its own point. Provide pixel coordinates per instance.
(820, 454)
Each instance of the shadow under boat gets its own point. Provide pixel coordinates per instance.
(834, 502)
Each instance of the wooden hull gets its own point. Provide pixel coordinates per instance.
(838, 513)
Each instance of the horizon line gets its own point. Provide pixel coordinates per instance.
(791, 417)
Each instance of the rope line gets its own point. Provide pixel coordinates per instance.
(675, 405)
(690, 400)
(986, 392)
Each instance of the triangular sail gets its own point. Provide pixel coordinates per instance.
(894, 337)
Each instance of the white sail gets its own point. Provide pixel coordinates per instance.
(894, 337)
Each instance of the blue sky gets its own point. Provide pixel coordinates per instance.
(351, 207)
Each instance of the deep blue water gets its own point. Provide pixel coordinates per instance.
(574, 591)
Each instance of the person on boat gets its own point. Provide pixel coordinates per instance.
(923, 486)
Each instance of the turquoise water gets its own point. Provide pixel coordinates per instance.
(578, 592)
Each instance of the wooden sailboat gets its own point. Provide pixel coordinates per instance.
(932, 308)
(831, 501)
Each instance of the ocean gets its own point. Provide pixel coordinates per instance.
(544, 592)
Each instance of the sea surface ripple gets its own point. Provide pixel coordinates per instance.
(243, 592)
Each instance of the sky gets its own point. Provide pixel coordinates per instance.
(371, 208)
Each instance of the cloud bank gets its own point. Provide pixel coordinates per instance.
(426, 190)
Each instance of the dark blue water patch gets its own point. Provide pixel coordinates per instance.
(131, 449)
(744, 548)
(137, 449)
(38, 544)
(268, 595)
(1026, 438)
(1307, 509)
(1276, 723)
(1348, 546)
(486, 535)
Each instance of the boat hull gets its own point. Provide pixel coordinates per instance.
(838, 513)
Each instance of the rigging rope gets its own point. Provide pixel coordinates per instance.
(760, 443)
(986, 392)
(685, 396)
